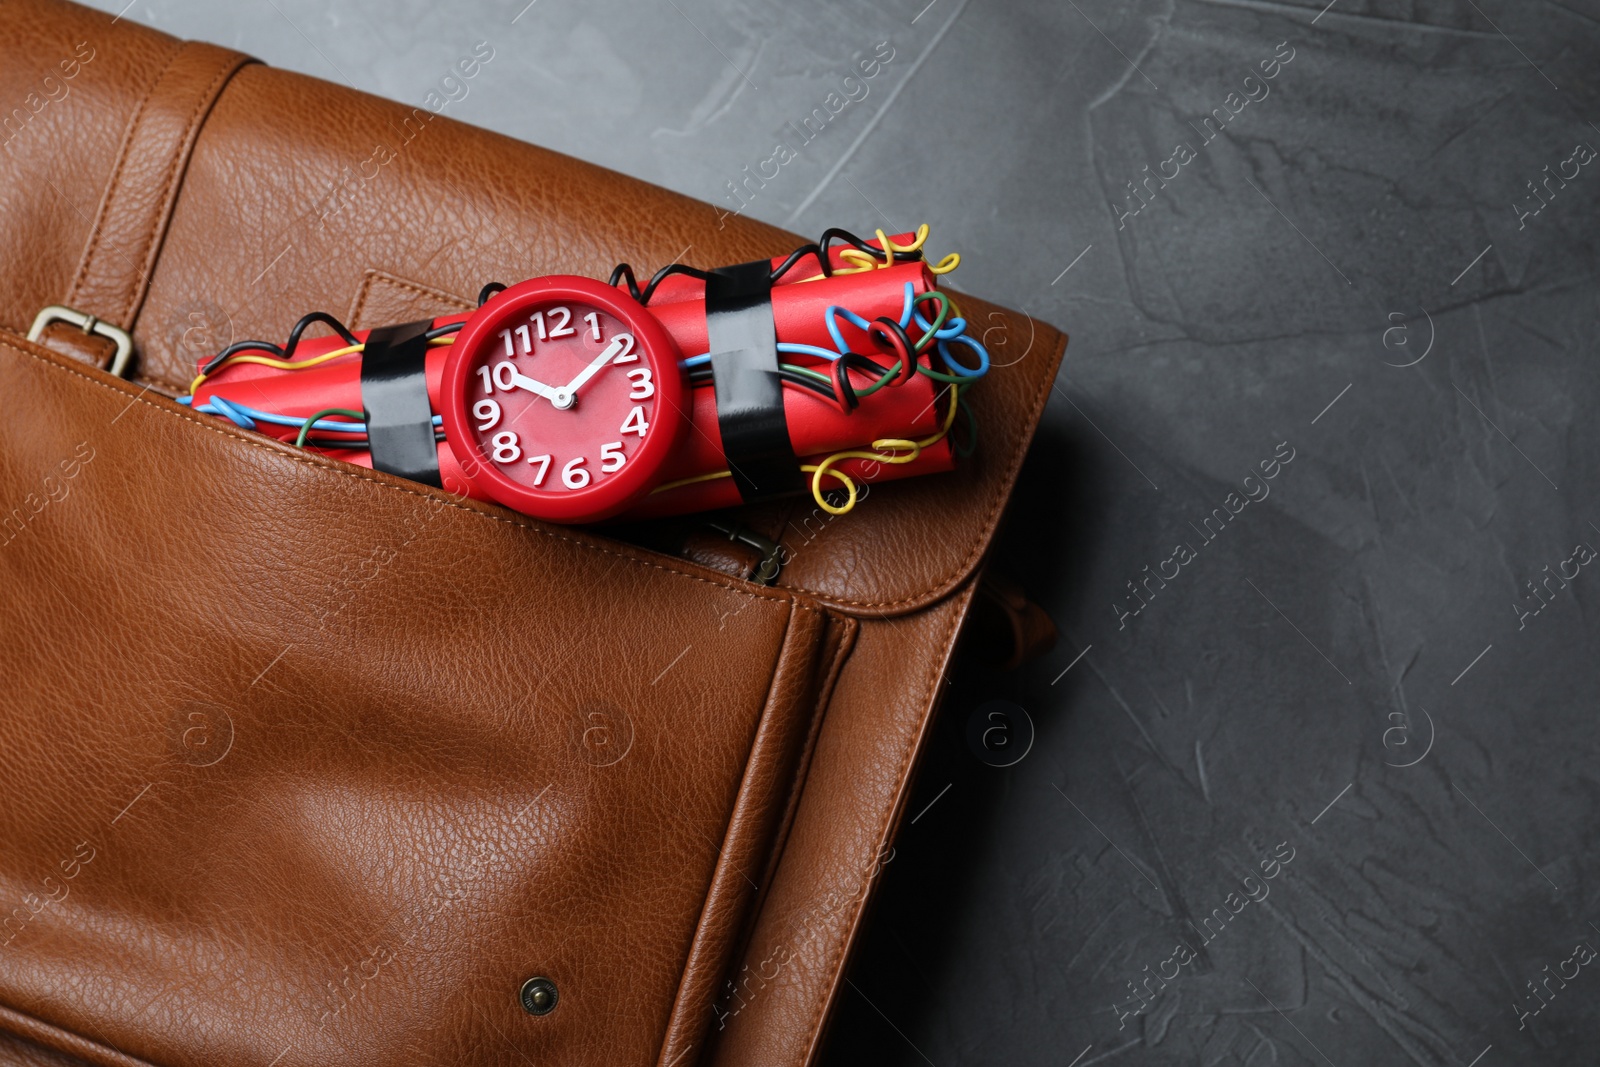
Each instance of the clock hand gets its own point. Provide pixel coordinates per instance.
(522, 381)
(566, 395)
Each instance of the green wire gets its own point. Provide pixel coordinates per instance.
(938, 322)
(300, 439)
(808, 372)
(922, 345)
(927, 339)
(881, 382)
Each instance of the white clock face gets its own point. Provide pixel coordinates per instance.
(564, 401)
(569, 396)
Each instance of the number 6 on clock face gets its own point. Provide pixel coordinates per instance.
(575, 423)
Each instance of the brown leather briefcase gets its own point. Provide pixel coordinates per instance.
(303, 764)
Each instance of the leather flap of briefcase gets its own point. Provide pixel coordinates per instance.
(455, 779)
(299, 195)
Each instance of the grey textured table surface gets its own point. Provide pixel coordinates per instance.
(1373, 272)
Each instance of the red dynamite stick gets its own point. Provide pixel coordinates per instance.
(817, 427)
(798, 309)
(722, 493)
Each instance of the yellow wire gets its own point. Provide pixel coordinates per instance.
(886, 450)
(850, 486)
(861, 262)
(713, 476)
(294, 364)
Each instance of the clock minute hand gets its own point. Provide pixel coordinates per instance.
(566, 395)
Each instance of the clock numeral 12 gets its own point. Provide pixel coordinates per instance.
(563, 330)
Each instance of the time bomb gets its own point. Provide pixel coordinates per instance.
(574, 400)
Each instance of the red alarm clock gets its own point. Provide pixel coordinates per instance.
(562, 398)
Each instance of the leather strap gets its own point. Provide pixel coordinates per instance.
(744, 368)
(114, 274)
(394, 390)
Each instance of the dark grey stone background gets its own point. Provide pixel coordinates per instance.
(1362, 216)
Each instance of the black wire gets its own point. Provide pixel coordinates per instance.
(820, 250)
(354, 443)
(703, 374)
(865, 364)
(806, 382)
(624, 272)
(287, 351)
(668, 271)
(489, 290)
(796, 256)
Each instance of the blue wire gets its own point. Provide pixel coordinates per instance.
(247, 417)
(956, 330)
(833, 313)
(958, 369)
(220, 406)
(808, 350)
(951, 328)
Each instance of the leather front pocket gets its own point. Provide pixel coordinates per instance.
(302, 765)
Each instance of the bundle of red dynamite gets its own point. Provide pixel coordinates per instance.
(866, 350)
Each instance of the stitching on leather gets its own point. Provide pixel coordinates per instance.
(844, 644)
(676, 1021)
(116, 175)
(834, 962)
(375, 275)
(946, 584)
(149, 382)
(305, 459)
(234, 63)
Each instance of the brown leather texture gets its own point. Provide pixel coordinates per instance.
(305, 764)
(361, 809)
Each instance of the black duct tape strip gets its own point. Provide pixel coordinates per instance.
(744, 366)
(394, 390)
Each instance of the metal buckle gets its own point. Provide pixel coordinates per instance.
(771, 552)
(90, 325)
